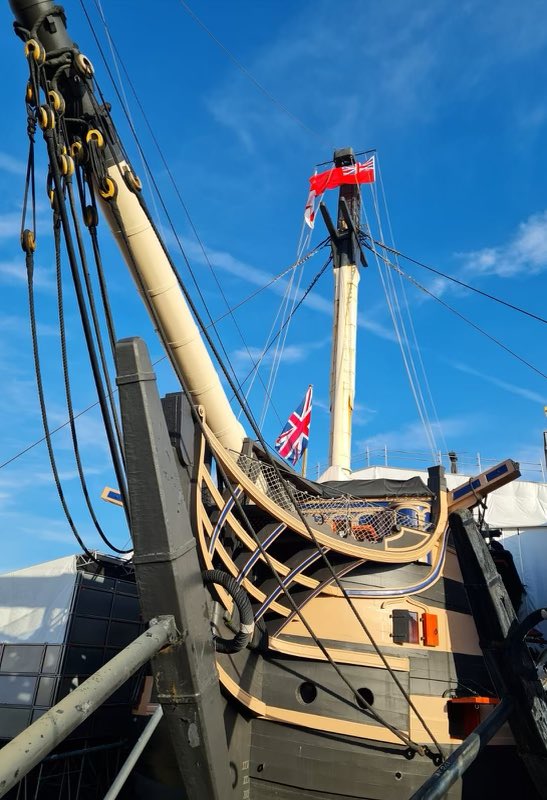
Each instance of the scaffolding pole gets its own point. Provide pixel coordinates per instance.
(30, 747)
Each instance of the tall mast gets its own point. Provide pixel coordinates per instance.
(345, 251)
(118, 191)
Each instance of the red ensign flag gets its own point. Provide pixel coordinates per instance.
(332, 179)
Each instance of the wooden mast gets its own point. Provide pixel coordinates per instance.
(345, 250)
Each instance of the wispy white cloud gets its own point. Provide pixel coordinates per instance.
(411, 437)
(13, 166)
(406, 66)
(524, 253)
(14, 273)
(520, 391)
(362, 414)
(10, 225)
(252, 275)
(292, 353)
(20, 325)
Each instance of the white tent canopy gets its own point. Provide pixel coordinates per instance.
(35, 602)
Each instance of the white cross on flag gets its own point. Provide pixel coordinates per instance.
(293, 439)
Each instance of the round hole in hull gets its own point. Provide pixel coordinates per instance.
(306, 692)
(366, 697)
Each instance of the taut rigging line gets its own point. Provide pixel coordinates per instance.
(454, 311)
(459, 282)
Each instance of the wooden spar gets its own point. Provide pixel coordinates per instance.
(148, 262)
(127, 216)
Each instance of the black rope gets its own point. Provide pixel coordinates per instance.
(454, 311)
(92, 229)
(29, 260)
(236, 389)
(68, 391)
(60, 427)
(88, 335)
(95, 320)
(459, 282)
(291, 315)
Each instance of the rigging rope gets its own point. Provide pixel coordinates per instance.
(457, 313)
(28, 244)
(234, 384)
(251, 77)
(460, 282)
(68, 391)
(152, 180)
(406, 356)
(424, 372)
(55, 137)
(295, 309)
(242, 302)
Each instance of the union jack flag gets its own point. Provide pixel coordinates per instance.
(293, 439)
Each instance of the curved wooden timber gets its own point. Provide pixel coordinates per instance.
(406, 545)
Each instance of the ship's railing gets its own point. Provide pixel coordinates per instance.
(32, 745)
(467, 463)
(363, 520)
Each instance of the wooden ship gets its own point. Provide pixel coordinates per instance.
(324, 642)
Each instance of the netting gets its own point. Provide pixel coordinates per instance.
(347, 516)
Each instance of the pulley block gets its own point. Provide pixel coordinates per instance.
(84, 65)
(108, 188)
(78, 153)
(28, 242)
(46, 118)
(33, 49)
(133, 181)
(91, 218)
(57, 101)
(66, 165)
(29, 95)
(94, 135)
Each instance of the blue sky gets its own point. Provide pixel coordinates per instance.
(453, 99)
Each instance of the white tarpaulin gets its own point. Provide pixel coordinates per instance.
(35, 602)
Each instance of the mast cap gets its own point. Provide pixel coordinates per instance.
(344, 157)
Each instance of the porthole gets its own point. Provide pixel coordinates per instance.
(306, 692)
(365, 695)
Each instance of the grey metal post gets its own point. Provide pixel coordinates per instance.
(169, 580)
(456, 764)
(24, 752)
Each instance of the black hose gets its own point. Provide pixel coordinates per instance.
(243, 604)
